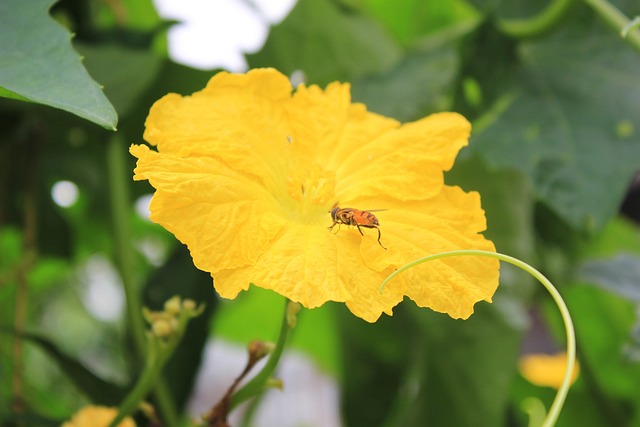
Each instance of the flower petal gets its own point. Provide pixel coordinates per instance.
(245, 173)
(547, 370)
(406, 163)
(238, 118)
(329, 127)
(449, 221)
(97, 416)
(226, 219)
(312, 265)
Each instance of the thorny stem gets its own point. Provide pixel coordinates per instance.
(561, 395)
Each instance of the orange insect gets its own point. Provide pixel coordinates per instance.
(350, 216)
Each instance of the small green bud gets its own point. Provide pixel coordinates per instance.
(173, 305)
(162, 328)
(189, 304)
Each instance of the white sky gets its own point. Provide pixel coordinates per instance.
(216, 33)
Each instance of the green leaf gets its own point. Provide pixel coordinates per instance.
(418, 84)
(580, 409)
(603, 324)
(619, 235)
(327, 43)
(521, 9)
(469, 368)
(39, 64)
(379, 359)
(571, 125)
(11, 249)
(95, 388)
(618, 275)
(507, 200)
(29, 418)
(171, 78)
(11, 95)
(124, 84)
(410, 19)
(48, 272)
(424, 368)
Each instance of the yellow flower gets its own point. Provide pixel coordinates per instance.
(246, 172)
(546, 370)
(97, 416)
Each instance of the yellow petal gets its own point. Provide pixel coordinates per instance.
(97, 416)
(239, 119)
(546, 370)
(406, 163)
(225, 218)
(452, 220)
(311, 265)
(328, 127)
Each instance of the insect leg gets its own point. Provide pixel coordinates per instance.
(333, 225)
(379, 235)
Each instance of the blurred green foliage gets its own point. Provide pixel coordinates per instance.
(555, 146)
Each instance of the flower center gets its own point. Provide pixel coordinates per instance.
(311, 188)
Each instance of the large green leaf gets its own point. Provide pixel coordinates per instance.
(620, 235)
(603, 323)
(469, 368)
(381, 363)
(424, 368)
(580, 409)
(327, 43)
(571, 124)
(618, 275)
(418, 84)
(125, 83)
(39, 65)
(408, 20)
(606, 327)
(98, 390)
(520, 9)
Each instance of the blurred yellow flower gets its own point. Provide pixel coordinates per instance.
(247, 170)
(97, 416)
(546, 370)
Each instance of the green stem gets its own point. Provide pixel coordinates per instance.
(632, 25)
(119, 197)
(537, 25)
(535, 410)
(257, 384)
(561, 395)
(151, 372)
(122, 235)
(617, 20)
(159, 350)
